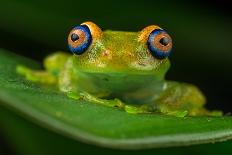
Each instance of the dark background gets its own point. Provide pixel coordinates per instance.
(201, 32)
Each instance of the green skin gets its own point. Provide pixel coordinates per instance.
(118, 71)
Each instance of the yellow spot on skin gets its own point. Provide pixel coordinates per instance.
(130, 54)
(105, 53)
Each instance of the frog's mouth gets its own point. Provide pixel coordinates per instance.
(119, 81)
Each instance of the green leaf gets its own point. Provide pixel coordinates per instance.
(100, 125)
(15, 129)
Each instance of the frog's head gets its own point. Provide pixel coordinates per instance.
(145, 52)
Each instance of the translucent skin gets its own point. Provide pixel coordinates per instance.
(118, 70)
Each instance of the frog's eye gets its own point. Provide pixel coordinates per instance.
(79, 39)
(158, 41)
(82, 36)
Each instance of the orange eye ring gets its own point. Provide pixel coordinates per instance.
(144, 34)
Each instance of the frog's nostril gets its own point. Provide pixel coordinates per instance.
(74, 37)
(105, 53)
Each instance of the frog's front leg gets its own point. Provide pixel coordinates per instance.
(52, 64)
(68, 83)
(181, 99)
(43, 77)
(108, 102)
(91, 98)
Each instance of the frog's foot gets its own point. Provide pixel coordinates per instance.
(149, 108)
(144, 109)
(205, 112)
(180, 113)
(181, 99)
(189, 112)
(90, 98)
(110, 103)
(36, 76)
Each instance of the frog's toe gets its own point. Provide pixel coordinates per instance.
(36, 76)
(137, 110)
(26, 72)
(205, 112)
(131, 109)
(22, 70)
(92, 99)
(181, 113)
(73, 95)
(216, 113)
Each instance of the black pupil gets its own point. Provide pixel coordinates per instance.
(74, 37)
(164, 41)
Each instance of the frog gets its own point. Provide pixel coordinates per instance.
(120, 69)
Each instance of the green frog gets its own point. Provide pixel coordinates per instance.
(120, 69)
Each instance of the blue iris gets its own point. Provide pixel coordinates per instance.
(79, 49)
(155, 51)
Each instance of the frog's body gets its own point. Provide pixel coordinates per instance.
(117, 69)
